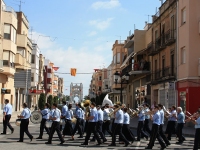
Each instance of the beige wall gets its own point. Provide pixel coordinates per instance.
(139, 40)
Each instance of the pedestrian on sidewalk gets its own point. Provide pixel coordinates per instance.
(25, 115)
(7, 112)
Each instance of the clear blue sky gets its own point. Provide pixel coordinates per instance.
(80, 33)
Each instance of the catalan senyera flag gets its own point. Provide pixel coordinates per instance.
(73, 72)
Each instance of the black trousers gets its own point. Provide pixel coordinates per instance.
(155, 134)
(127, 133)
(118, 130)
(91, 128)
(78, 126)
(68, 130)
(179, 129)
(99, 130)
(171, 130)
(146, 126)
(196, 139)
(161, 132)
(83, 125)
(7, 123)
(24, 128)
(140, 131)
(43, 126)
(106, 127)
(55, 127)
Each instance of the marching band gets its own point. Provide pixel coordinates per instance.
(99, 120)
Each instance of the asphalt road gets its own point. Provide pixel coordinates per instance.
(9, 141)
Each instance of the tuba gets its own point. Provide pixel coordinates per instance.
(106, 100)
(86, 104)
(74, 120)
(36, 117)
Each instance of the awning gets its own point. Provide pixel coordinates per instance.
(126, 60)
(129, 43)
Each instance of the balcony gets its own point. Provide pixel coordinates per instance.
(19, 59)
(160, 43)
(141, 67)
(151, 51)
(8, 70)
(170, 37)
(21, 40)
(1, 65)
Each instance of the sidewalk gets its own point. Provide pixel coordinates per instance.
(187, 131)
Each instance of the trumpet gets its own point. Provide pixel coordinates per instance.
(132, 113)
(191, 116)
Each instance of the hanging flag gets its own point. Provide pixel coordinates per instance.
(73, 72)
(55, 68)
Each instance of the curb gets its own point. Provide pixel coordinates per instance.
(189, 135)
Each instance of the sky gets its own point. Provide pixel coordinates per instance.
(80, 33)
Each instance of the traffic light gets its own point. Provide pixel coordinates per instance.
(73, 72)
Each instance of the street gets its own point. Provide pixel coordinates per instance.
(9, 141)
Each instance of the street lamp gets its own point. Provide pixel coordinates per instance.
(125, 80)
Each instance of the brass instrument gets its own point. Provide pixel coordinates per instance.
(86, 104)
(74, 120)
(132, 113)
(166, 112)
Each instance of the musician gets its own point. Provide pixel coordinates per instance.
(100, 124)
(180, 124)
(172, 122)
(161, 132)
(83, 120)
(106, 117)
(126, 129)
(55, 125)
(93, 118)
(64, 110)
(7, 112)
(147, 118)
(141, 118)
(79, 116)
(68, 130)
(118, 124)
(45, 116)
(25, 115)
(155, 130)
(197, 130)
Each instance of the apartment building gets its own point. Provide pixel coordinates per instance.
(55, 85)
(8, 49)
(188, 54)
(60, 87)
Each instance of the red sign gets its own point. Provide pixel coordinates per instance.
(36, 91)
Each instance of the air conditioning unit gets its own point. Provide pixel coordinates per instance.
(199, 67)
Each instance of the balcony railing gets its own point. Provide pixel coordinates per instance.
(163, 74)
(170, 37)
(9, 9)
(151, 50)
(139, 67)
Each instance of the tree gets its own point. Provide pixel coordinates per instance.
(55, 99)
(50, 100)
(41, 101)
(67, 98)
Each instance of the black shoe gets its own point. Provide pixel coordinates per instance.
(112, 145)
(39, 138)
(80, 137)
(184, 139)
(31, 138)
(12, 131)
(132, 141)
(104, 140)
(99, 143)
(48, 143)
(19, 141)
(146, 138)
(148, 147)
(3, 133)
(92, 140)
(84, 144)
(126, 144)
(179, 142)
(162, 148)
(168, 144)
(62, 142)
(137, 140)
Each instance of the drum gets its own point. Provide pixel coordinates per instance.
(62, 122)
(18, 122)
(36, 117)
(48, 123)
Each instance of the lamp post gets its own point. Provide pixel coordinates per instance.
(118, 77)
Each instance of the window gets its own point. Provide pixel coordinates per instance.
(118, 58)
(99, 88)
(183, 55)
(32, 77)
(114, 59)
(183, 15)
(32, 58)
(9, 32)
(21, 51)
(8, 59)
(99, 78)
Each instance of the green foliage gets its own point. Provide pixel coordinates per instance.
(55, 99)
(67, 98)
(50, 100)
(41, 101)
